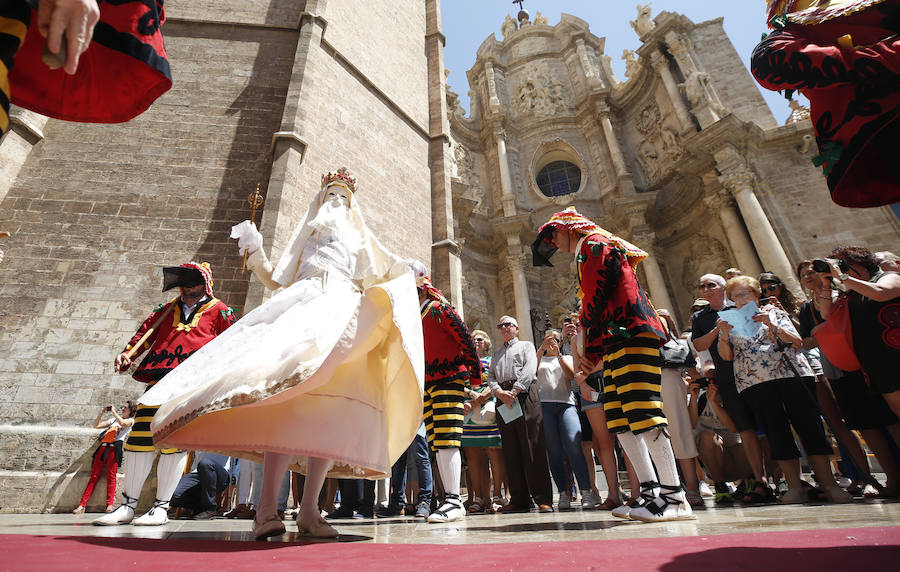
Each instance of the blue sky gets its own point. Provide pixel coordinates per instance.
(467, 23)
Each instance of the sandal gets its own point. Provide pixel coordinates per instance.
(758, 492)
(477, 506)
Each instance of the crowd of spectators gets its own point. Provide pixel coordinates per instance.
(743, 382)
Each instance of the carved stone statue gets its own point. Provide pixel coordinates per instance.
(644, 22)
(540, 94)
(631, 64)
(540, 19)
(508, 27)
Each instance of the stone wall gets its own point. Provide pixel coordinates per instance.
(96, 210)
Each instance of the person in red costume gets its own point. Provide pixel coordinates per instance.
(179, 328)
(450, 360)
(82, 60)
(844, 56)
(622, 337)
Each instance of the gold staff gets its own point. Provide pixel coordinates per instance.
(256, 200)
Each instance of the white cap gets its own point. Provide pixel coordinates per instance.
(509, 319)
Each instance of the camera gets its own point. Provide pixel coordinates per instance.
(108, 407)
(704, 382)
(824, 265)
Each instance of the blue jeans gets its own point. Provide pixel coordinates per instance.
(562, 430)
(419, 449)
(284, 491)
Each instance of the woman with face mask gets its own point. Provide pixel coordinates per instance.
(324, 378)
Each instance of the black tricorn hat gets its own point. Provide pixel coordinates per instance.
(180, 276)
(542, 249)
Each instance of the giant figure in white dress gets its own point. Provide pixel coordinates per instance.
(324, 378)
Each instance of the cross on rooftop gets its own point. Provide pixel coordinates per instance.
(519, 2)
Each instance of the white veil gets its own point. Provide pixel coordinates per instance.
(374, 262)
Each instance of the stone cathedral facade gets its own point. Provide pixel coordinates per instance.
(682, 157)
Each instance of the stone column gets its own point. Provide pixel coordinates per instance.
(740, 182)
(506, 192)
(25, 131)
(661, 66)
(722, 203)
(516, 261)
(446, 269)
(612, 143)
(656, 283)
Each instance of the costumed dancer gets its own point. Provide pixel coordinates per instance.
(108, 454)
(101, 64)
(324, 378)
(450, 360)
(177, 330)
(844, 56)
(623, 332)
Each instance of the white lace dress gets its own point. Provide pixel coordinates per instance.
(321, 369)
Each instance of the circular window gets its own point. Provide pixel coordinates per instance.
(559, 178)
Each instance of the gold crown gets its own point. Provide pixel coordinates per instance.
(342, 176)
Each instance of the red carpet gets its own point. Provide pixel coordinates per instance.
(848, 549)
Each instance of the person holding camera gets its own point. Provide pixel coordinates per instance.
(108, 454)
(872, 297)
(775, 379)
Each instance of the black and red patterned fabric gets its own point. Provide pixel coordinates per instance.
(449, 352)
(123, 71)
(854, 95)
(613, 305)
(178, 336)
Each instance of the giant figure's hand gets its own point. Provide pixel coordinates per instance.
(69, 20)
(249, 238)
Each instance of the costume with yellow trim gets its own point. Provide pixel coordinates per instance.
(172, 341)
(450, 360)
(844, 56)
(122, 72)
(622, 328)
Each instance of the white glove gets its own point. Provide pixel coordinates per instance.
(417, 268)
(249, 239)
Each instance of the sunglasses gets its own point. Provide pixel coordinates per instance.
(708, 286)
(505, 325)
(478, 340)
(769, 287)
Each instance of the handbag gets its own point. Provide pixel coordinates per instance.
(835, 337)
(675, 353)
(484, 415)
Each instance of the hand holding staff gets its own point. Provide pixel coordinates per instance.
(256, 200)
(123, 360)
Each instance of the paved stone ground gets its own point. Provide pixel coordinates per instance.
(530, 527)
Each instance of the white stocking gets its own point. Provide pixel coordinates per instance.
(137, 467)
(274, 466)
(449, 464)
(316, 470)
(660, 449)
(637, 451)
(168, 472)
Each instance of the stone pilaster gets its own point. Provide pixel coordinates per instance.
(723, 204)
(661, 66)
(26, 129)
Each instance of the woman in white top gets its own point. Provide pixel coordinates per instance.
(562, 428)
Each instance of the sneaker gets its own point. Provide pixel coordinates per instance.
(545, 508)
(564, 502)
(205, 515)
(448, 512)
(671, 504)
(705, 491)
(80, 510)
(341, 512)
(122, 515)
(156, 516)
(588, 501)
(423, 509)
(389, 511)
